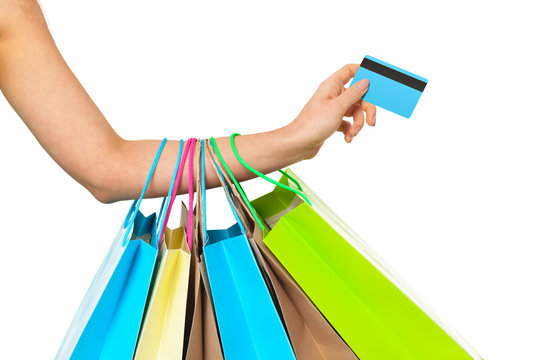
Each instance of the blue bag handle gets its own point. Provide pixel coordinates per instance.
(137, 203)
(203, 192)
(225, 189)
(167, 200)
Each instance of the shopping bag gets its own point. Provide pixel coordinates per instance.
(312, 337)
(162, 332)
(107, 322)
(201, 340)
(367, 304)
(248, 322)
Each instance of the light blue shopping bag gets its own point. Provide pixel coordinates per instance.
(107, 323)
(248, 322)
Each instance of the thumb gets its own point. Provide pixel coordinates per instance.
(353, 94)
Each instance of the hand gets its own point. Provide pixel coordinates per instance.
(324, 112)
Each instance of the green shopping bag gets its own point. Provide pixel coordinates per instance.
(363, 300)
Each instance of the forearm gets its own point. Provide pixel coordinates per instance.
(48, 97)
(39, 85)
(44, 92)
(124, 174)
(77, 136)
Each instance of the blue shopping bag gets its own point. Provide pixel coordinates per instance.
(107, 323)
(248, 322)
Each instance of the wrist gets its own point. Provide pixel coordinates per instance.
(270, 150)
(298, 141)
(292, 143)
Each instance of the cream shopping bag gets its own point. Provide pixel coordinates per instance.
(162, 332)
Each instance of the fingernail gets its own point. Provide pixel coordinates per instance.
(356, 130)
(363, 84)
(347, 138)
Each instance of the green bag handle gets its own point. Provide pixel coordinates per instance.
(239, 187)
(260, 174)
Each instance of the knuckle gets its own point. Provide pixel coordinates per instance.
(352, 67)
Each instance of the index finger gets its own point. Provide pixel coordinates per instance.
(345, 74)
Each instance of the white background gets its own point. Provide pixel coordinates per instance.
(450, 198)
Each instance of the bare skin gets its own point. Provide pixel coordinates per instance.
(47, 96)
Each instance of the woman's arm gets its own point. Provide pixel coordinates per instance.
(47, 96)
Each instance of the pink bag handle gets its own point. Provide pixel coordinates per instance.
(190, 179)
(189, 145)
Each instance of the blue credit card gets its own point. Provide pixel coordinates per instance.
(390, 87)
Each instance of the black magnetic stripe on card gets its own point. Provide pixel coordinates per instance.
(393, 74)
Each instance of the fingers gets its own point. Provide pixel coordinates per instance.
(350, 111)
(352, 95)
(357, 112)
(358, 117)
(371, 111)
(345, 128)
(333, 85)
(345, 74)
(345, 102)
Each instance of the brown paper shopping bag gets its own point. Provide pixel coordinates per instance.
(312, 337)
(201, 334)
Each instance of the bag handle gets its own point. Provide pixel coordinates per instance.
(225, 189)
(178, 176)
(240, 205)
(190, 186)
(203, 194)
(260, 174)
(197, 207)
(239, 187)
(128, 223)
(167, 200)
